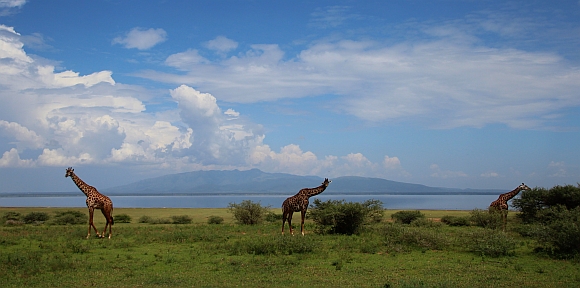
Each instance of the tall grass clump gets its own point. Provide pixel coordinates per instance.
(406, 217)
(248, 212)
(340, 217)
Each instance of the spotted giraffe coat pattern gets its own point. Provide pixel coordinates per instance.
(501, 204)
(299, 203)
(95, 200)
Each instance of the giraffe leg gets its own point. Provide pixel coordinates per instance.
(290, 222)
(284, 215)
(109, 220)
(303, 214)
(91, 213)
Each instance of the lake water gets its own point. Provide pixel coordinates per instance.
(421, 202)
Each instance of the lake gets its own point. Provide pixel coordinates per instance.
(421, 202)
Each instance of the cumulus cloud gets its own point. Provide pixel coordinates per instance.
(221, 44)
(490, 175)
(53, 118)
(141, 38)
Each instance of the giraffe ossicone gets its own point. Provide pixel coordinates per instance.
(95, 200)
(299, 203)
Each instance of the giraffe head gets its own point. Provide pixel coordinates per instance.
(326, 182)
(524, 187)
(69, 172)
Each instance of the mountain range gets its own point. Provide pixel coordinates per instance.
(258, 182)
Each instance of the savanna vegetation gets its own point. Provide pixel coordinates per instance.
(346, 245)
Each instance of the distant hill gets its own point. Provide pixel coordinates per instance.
(257, 182)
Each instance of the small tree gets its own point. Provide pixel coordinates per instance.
(248, 212)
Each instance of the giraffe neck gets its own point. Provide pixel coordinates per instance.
(81, 184)
(313, 191)
(512, 194)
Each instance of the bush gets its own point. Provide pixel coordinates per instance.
(182, 219)
(248, 212)
(404, 237)
(70, 218)
(145, 219)
(492, 243)
(455, 220)
(406, 217)
(122, 218)
(15, 216)
(215, 220)
(491, 219)
(35, 217)
(559, 236)
(151, 220)
(340, 217)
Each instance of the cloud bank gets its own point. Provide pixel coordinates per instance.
(62, 118)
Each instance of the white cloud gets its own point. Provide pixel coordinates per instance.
(141, 38)
(12, 3)
(490, 175)
(12, 159)
(221, 44)
(449, 81)
(437, 172)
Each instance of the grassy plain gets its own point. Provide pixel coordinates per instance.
(232, 255)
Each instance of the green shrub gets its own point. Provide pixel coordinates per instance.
(35, 217)
(456, 220)
(145, 219)
(492, 243)
(491, 219)
(406, 217)
(215, 220)
(248, 212)
(10, 215)
(561, 233)
(70, 217)
(182, 219)
(407, 237)
(340, 217)
(122, 218)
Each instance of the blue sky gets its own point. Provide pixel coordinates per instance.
(463, 94)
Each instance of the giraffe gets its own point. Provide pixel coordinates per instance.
(501, 204)
(95, 200)
(299, 202)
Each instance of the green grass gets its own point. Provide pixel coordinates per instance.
(232, 255)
